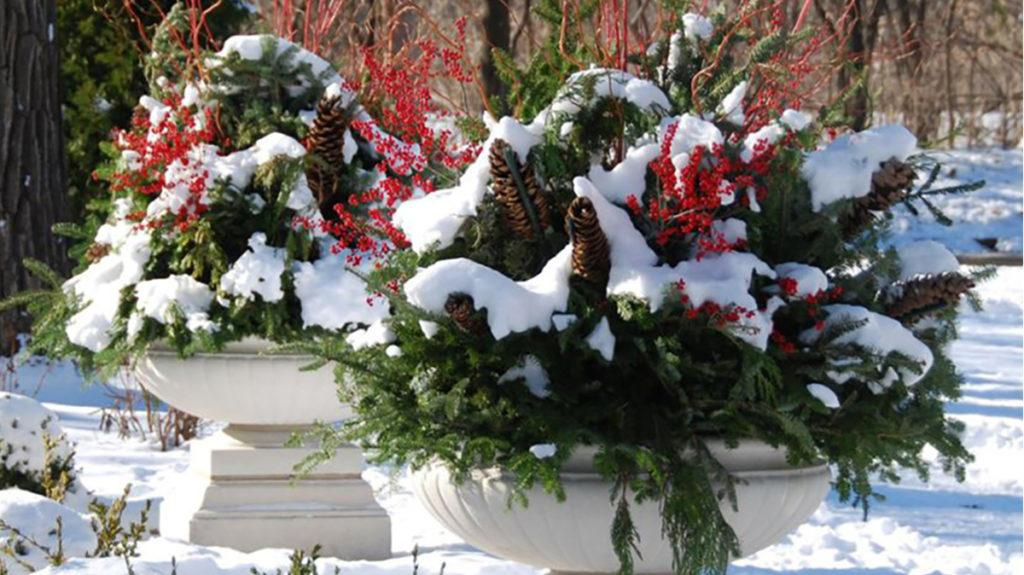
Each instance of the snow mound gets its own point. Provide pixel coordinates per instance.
(627, 178)
(731, 106)
(157, 298)
(257, 272)
(772, 132)
(843, 168)
(378, 333)
(823, 394)
(880, 334)
(543, 450)
(238, 167)
(697, 26)
(692, 132)
(532, 373)
(332, 296)
(250, 47)
(24, 423)
(602, 340)
(609, 83)
(925, 257)
(879, 545)
(99, 291)
(36, 517)
(511, 306)
(809, 279)
(433, 220)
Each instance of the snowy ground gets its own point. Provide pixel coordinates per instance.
(993, 212)
(942, 527)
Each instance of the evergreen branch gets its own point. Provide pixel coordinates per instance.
(933, 175)
(24, 299)
(72, 230)
(940, 217)
(957, 189)
(625, 536)
(767, 47)
(43, 272)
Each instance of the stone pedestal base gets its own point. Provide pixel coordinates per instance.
(240, 492)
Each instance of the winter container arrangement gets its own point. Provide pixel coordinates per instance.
(248, 188)
(646, 322)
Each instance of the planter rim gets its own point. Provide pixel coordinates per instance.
(244, 384)
(750, 458)
(248, 347)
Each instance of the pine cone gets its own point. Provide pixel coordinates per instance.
(590, 251)
(914, 298)
(96, 252)
(506, 191)
(889, 185)
(462, 310)
(327, 144)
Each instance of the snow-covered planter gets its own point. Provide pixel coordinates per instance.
(659, 258)
(244, 200)
(571, 536)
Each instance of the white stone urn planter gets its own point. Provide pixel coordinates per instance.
(574, 536)
(239, 490)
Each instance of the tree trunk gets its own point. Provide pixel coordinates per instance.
(497, 34)
(32, 186)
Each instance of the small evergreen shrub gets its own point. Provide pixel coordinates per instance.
(34, 454)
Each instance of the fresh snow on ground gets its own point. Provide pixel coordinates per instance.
(994, 212)
(939, 527)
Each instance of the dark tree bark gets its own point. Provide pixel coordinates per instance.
(858, 51)
(861, 48)
(32, 181)
(497, 34)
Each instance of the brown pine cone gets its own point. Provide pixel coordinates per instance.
(889, 186)
(590, 251)
(504, 169)
(893, 175)
(462, 310)
(327, 144)
(913, 299)
(96, 252)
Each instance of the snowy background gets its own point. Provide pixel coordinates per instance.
(943, 527)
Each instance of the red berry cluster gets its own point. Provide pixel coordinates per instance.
(715, 314)
(690, 198)
(155, 147)
(399, 93)
(812, 303)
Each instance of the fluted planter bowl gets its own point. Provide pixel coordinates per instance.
(574, 536)
(244, 384)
